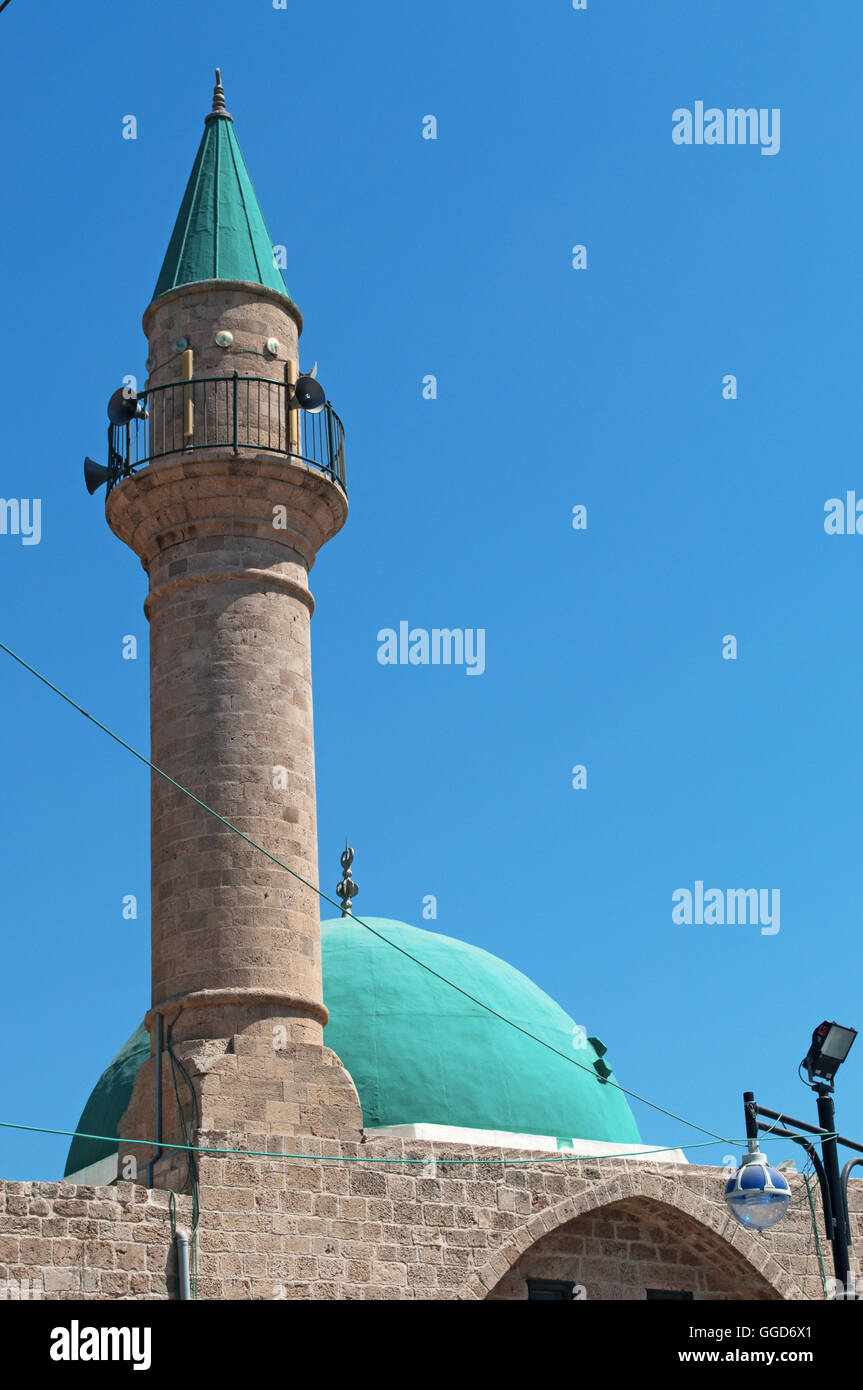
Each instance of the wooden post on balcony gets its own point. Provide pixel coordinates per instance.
(292, 372)
(188, 397)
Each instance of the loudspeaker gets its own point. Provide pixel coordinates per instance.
(310, 395)
(123, 407)
(94, 475)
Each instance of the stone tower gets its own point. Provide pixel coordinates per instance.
(226, 491)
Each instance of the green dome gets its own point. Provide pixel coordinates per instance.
(420, 1052)
(107, 1104)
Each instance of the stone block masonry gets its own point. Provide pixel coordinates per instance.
(236, 951)
(59, 1241)
(279, 1229)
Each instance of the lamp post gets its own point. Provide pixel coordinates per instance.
(758, 1195)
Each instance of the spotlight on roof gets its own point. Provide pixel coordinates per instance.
(830, 1045)
(758, 1195)
(94, 475)
(310, 395)
(125, 405)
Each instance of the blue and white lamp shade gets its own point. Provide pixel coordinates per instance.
(758, 1196)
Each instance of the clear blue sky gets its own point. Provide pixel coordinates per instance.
(556, 387)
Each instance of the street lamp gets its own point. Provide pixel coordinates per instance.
(755, 1194)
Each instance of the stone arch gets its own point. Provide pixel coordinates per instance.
(650, 1192)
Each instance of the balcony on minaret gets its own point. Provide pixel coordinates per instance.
(232, 414)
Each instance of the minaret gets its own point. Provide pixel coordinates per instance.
(226, 490)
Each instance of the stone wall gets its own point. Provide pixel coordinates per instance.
(420, 1228)
(58, 1241)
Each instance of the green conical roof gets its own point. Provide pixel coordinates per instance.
(220, 233)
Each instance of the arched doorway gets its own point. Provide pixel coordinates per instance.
(636, 1248)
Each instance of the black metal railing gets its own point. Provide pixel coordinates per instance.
(234, 412)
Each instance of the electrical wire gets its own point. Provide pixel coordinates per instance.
(817, 1237)
(362, 1158)
(633, 1095)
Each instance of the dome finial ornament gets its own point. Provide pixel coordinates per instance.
(219, 108)
(347, 889)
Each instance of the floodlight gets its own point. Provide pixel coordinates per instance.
(830, 1045)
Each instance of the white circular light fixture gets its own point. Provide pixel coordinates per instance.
(757, 1195)
(224, 338)
(273, 345)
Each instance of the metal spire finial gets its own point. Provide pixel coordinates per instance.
(219, 107)
(347, 889)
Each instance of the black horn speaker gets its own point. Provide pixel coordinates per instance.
(124, 406)
(310, 395)
(94, 475)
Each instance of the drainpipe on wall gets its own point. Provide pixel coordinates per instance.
(183, 1265)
